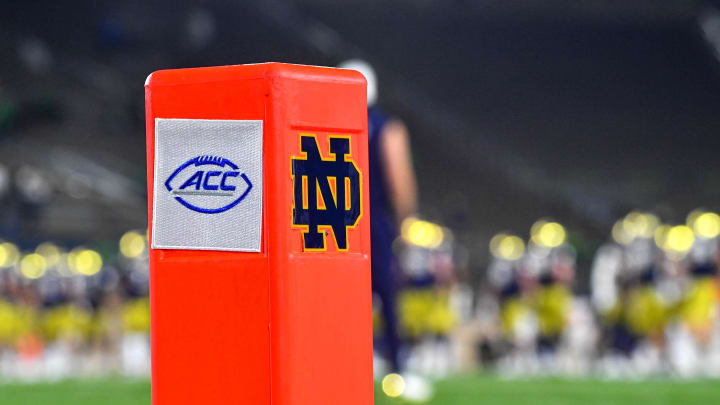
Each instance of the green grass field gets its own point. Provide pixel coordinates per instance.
(471, 390)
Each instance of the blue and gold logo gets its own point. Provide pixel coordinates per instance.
(326, 192)
(208, 184)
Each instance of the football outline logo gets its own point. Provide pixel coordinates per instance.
(202, 179)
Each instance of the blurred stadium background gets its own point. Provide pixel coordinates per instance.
(567, 161)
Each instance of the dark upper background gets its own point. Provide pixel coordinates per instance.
(580, 111)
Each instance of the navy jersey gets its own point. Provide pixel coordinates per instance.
(382, 220)
(382, 235)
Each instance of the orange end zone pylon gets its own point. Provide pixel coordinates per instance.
(260, 236)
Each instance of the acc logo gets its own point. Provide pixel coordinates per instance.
(208, 184)
(326, 192)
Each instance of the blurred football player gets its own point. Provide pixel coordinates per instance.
(393, 197)
(554, 298)
(691, 338)
(426, 315)
(638, 318)
(699, 309)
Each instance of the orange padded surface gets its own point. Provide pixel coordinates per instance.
(284, 326)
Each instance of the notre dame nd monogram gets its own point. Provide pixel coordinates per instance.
(326, 192)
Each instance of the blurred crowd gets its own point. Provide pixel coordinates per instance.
(74, 312)
(652, 309)
(655, 290)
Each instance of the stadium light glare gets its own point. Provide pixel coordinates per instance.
(640, 224)
(84, 261)
(548, 234)
(507, 247)
(393, 385)
(676, 241)
(33, 266)
(495, 242)
(422, 233)
(693, 216)
(3, 256)
(88, 262)
(660, 235)
(50, 252)
(132, 244)
(9, 254)
(619, 235)
(706, 225)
